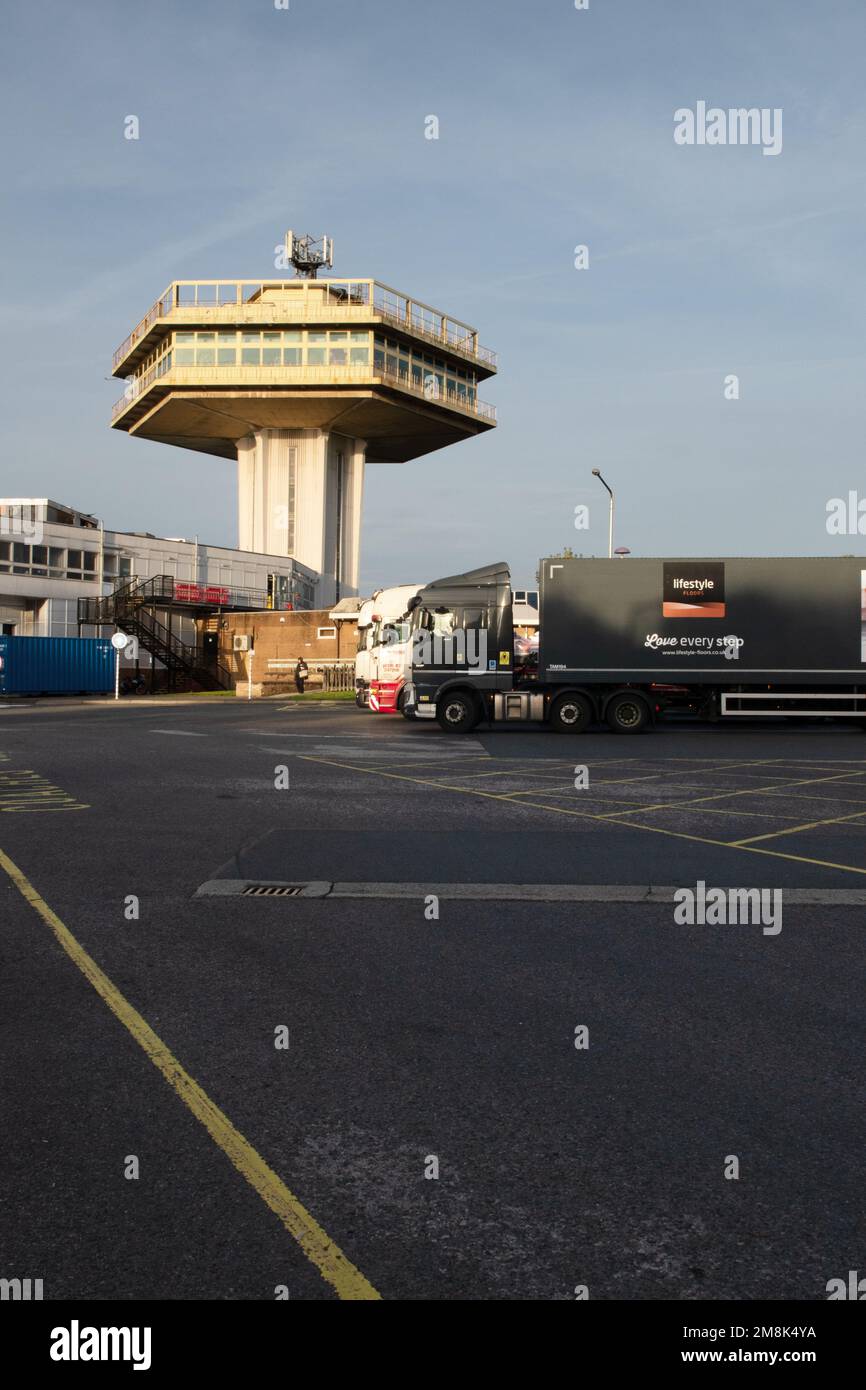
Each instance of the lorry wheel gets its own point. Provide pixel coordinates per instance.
(457, 713)
(627, 714)
(570, 714)
(361, 698)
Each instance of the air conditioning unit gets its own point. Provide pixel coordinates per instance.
(241, 642)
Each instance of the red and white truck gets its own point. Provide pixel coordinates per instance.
(383, 631)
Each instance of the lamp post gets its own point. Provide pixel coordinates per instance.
(596, 472)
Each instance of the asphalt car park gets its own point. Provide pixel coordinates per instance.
(428, 998)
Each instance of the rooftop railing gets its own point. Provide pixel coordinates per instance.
(185, 300)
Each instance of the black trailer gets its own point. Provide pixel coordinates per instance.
(628, 640)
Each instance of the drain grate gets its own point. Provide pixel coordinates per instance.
(264, 888)
(272, 890)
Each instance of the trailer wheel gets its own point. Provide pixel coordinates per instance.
(627, 714)
(457, 713)
(570, 714)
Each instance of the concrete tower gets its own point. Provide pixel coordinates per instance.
(303, 382)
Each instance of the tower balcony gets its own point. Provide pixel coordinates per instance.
(279, 303)
(401, 412)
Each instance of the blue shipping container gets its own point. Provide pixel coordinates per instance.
(56, 665)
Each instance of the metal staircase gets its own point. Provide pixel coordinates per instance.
(131, 607)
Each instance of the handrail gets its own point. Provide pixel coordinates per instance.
(240, 376)
(378, 299)
(126, 608)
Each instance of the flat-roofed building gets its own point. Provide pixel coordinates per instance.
(53, 556)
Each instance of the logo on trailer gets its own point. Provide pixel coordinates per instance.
(693, 589)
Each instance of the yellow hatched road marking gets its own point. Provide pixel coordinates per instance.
(746, 791)
(604, 818)
(589, 796)
(795, 829)
(332, 1264)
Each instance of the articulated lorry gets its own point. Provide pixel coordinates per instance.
(627, 641)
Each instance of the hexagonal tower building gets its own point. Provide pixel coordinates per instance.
(303, 381)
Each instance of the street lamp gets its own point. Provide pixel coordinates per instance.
(596, 472)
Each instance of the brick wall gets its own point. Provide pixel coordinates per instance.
(285, 638)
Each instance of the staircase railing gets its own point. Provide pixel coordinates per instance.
(127, 608)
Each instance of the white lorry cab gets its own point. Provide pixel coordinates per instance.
(379, 631)
(389, 647)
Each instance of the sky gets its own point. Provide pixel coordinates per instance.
(556, 130)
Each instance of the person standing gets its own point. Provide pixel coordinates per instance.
(300, 675)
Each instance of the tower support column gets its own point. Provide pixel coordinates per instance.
(300, 495)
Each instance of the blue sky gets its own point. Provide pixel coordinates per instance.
(556, 129)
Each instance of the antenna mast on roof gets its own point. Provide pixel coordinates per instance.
(307, 254)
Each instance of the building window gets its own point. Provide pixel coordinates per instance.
(326, 632)
(227, 349)
(272, 350)
(205, 350)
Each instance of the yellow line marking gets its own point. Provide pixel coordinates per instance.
(752, 849)
(777, 792)
(589, 815)
(430, 762)
(804, 796)
(419, 781)
(718, 796)
(610, 800)
(22, 790)
(328, 1258)
(795, 829)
